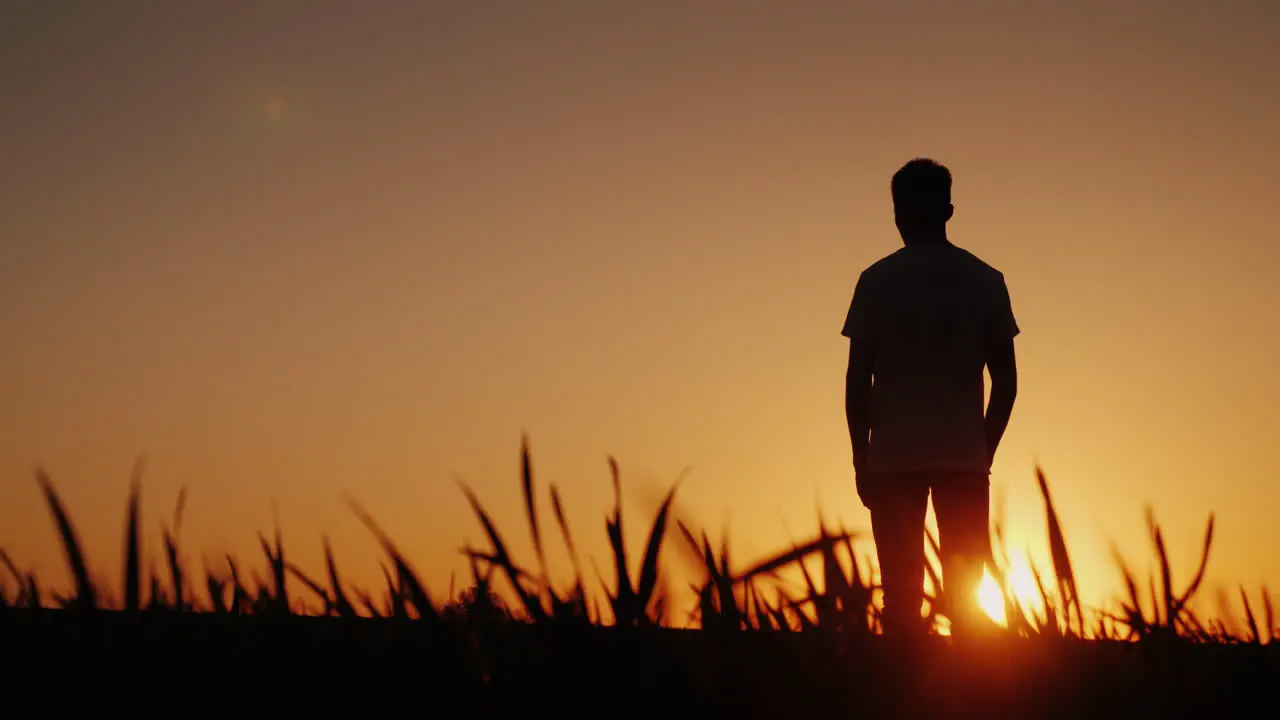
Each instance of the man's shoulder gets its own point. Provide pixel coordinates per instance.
(906, 259)
(886, 264)
(978, 266)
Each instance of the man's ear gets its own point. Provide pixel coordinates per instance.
(951, 211)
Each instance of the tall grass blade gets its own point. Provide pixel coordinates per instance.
(341, 603)
(1066, 579)
(531, 508)
(132, 544)
(32, 592)
(1134, 616)
(532, 604)
(1167, 603)
(1180, 604)
(239, 595)
(315, 587)
(648, 581)
(279, 594)
(623, 595)
(733, 613)
(417, 591)
(175, 567)
(157, 600)
(179, 509)
(12, 568)
(1268, 614)
(86, 598)
(558, 509)
(394, 598)
(217, 592)
(793, 556)
(367, 603)
(1250, 619)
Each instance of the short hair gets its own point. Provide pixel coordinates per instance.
(922, 187)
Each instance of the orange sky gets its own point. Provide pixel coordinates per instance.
(310, 248)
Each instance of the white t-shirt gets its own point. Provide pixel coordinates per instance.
(931, 312)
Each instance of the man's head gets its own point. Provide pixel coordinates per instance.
(921, 197)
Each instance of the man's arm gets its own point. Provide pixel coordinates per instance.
(858, 327)
(857, 399)
(1003, 366)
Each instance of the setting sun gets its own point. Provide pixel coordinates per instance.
(991, 599)
(1022, 585)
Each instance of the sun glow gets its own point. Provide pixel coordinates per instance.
(1022, 585)
(991, 599)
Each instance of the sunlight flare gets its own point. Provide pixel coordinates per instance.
(991, 599)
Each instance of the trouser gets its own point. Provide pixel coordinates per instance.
(962, 506)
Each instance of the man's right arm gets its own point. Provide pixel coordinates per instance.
(858, 377)
(1002, 365)
(857, 400)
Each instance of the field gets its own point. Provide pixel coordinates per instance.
(173, 642)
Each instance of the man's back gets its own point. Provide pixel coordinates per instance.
(931, 313)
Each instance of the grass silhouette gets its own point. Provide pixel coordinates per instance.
(754, 645)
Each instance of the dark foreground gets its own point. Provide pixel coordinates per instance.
(201, 664)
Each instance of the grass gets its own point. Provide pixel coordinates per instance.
(514, 634)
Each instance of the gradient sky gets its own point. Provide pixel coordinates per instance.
(290, 250)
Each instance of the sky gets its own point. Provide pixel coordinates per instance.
(298, 251)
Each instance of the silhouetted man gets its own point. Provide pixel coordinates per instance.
(922, 325)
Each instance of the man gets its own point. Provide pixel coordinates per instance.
(923, 323)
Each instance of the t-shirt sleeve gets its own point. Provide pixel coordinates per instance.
(857, 323)
(1004, 325)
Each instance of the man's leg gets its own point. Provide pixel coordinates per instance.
(962, 505)
(897, 526)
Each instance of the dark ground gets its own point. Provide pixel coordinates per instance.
(176, 665)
